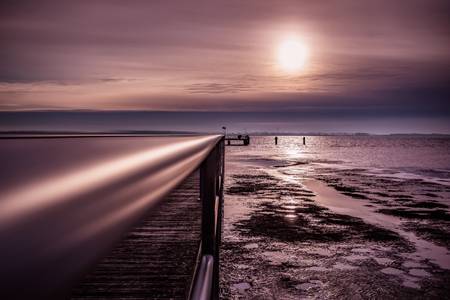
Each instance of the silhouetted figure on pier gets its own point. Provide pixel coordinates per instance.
(276, 140)
(304, 140)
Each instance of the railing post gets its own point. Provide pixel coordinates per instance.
(220, 181)
(208, 190)
(211, 195)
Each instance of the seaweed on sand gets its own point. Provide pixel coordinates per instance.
(250, 184)
(312, 223)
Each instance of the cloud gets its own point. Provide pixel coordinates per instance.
(368, 58)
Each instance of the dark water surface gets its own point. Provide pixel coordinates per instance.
(359, 217)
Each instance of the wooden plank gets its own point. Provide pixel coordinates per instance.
(156, 260)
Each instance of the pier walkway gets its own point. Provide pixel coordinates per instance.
(157, 259)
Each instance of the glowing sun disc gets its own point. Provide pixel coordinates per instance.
(292, 55)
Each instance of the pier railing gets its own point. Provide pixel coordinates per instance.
(58, 219)
(206, 280)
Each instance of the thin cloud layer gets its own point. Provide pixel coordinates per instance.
(221, 56)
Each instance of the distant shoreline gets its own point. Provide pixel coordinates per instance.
(170, 132)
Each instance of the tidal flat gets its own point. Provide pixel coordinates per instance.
(299, 228)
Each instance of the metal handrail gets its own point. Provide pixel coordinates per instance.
(55, 226)
(204, 281)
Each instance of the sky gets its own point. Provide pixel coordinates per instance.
(371, 66)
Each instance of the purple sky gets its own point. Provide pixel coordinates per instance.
(368, 59)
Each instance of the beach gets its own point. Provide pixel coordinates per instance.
(359, 217)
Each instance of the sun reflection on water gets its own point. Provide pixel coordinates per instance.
(290, 217)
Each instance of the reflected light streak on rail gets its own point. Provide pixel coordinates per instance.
(40, 194)
(54, 227)
(159, 186)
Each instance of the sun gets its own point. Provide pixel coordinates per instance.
(292, 55)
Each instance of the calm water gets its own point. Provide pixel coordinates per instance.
(427, 156)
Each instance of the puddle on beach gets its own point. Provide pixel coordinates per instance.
(332, 235)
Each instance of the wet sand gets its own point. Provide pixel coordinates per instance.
(332, 234)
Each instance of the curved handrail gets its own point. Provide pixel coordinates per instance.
(55, 225)
(204, 283)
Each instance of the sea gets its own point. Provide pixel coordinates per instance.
(337, 217)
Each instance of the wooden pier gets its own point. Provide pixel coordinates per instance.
(131, 218)
(237, 140)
